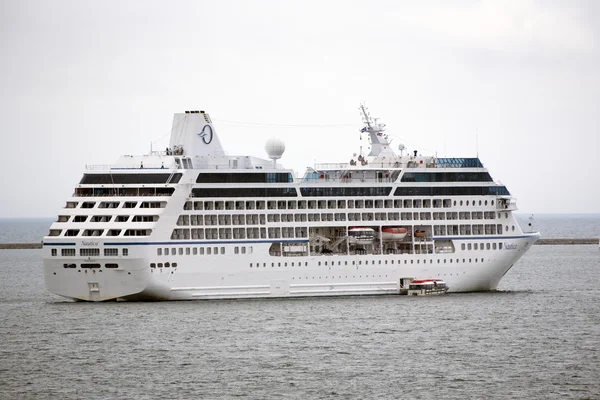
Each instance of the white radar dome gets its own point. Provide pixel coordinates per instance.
(275, 148)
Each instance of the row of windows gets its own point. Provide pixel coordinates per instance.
(481, 246)
(138, 178)
(107, 218)
(360, 262)
(90, 252)
(446, 177)
(244, 192)
(452, 191)
(245, 177)
(201, 250)
(166, 265)
(132, 192)
(352, 191)
(100, 232)
(458, 163)
(328, 204)
(344, 191)
(91, 265)
(238, 233)
(454, 230)
(116, 204)
(262, 219)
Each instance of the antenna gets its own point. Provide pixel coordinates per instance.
(477, 143)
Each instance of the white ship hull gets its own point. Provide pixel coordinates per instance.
(232, 277)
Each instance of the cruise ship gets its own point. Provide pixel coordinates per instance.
(193, 222)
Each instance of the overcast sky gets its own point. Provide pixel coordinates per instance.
(516, 82)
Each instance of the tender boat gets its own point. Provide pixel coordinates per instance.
(359, 235)
(427, 287)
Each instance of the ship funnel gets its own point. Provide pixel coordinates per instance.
(193, 134)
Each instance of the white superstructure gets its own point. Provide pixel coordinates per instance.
(192, 222)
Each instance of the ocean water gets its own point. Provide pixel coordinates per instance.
(537, 337)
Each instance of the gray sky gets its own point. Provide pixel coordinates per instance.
(84, 82)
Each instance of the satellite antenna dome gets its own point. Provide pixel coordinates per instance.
(401, 147)
(275, 148)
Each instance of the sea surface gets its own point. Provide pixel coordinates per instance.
(537, 337)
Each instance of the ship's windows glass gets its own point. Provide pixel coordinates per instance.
(88, 204)
(111, 265)
(181, 251)
(319, 263)
(72, 232)
(167, 265)
(187, 251)
(513, 228)
(125, 252)
(90, 265)
(111, 252)
(462, 246)
(129, 204)
(174, 265)
(201, 250)
(469, 246)
(67, 252)
(79, 218)
(216, 250)
(152, 265)
(89, 252)
(54, 252)
(160, 265)
(194, 251)
(474, 246)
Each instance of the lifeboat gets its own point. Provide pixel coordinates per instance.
(359, 235)
(393, 233)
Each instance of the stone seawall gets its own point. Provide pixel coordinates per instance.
(20, 246)
(567, 241)
(24, 246)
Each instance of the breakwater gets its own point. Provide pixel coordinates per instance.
(556, 241)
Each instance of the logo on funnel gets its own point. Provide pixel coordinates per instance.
(206, 134)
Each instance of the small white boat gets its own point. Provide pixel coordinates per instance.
(427, 287)
(359, 235)
(393, 233)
